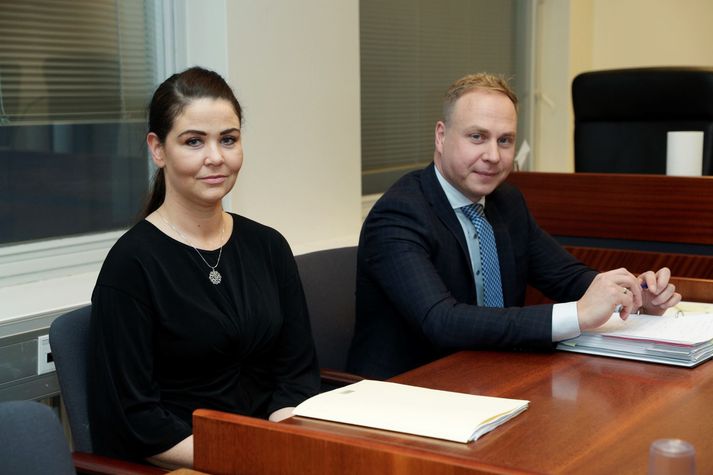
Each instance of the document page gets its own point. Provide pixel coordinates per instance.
(686, 329)
(397, 407)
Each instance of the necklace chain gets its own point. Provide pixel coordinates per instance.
(214, 275)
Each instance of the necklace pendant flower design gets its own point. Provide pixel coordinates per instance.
(215, 277)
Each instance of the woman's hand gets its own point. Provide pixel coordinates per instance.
(281, 414)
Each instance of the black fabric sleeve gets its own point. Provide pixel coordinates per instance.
(128, 418)
(294, 362)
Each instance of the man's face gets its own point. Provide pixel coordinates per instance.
(476, 149)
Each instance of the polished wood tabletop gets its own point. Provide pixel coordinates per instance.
(587, 414)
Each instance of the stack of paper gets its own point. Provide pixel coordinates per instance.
(412, 410)
(677, 338)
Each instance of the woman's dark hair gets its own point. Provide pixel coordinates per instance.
(168, 102)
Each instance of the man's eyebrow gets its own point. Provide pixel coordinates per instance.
(484, 130)
(477, 130)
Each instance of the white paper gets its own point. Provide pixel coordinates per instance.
(413, 410)
(689, 329)
(684, 153)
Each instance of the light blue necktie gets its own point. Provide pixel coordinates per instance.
(492, 288)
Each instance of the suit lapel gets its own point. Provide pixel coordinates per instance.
(439, 203)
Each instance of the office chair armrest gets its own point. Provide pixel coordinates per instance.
(337, 379)
(93, 464)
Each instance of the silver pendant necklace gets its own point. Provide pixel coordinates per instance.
(214, 276)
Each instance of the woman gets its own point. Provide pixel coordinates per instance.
(194, 307)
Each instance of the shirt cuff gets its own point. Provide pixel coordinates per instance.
(565, 322)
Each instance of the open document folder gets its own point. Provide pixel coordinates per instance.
(681, 338)
(412, 410)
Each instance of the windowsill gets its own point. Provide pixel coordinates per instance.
(31, 306)
(41, 280)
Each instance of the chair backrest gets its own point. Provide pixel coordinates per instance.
(69, 340)
(621, 117)
(329, 281)
(32, 441)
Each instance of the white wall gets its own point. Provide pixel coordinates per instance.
(632, 33)
(295, 69)
(583, 35)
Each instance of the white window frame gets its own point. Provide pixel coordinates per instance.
(50, 259)
(28, 262)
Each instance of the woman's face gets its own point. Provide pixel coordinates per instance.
(202, 154)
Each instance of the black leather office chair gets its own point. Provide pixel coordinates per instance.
(621, 117)
(69, 340)
(32, 441)
(329, 281)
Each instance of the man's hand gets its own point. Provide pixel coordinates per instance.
(607, 290)
(659, 294)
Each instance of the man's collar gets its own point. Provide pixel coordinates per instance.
(454, 196)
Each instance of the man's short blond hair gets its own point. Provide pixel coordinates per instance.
(490, 82)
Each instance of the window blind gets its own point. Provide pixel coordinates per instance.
(411, 50)
(74, 60)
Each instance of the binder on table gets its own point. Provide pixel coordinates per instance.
(681, 337)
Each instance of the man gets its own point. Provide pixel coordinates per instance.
(434, 276)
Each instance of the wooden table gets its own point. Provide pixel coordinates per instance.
(587, 415)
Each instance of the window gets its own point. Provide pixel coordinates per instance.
(411, 50)
(75, 78)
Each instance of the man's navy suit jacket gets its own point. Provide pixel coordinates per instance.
(416, 298)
